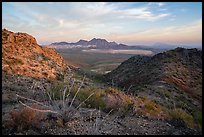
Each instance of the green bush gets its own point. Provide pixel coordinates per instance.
(59, 76)
(46, 58)
(56, 89)
(14, 61)
(95, 101)
(198, 118)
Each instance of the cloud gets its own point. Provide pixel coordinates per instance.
(61, 22)
(142, 14)
(99, 10)
(163, 9)
(85, 20)
(189, 33)
(83, 13)
(160, 4)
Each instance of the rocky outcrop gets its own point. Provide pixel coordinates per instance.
(22, 55)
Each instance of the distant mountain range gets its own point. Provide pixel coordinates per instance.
(99, 43)
(93, 43)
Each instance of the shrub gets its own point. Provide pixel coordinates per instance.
(45, 57)
(59, 76)
(56, 89)
(126, 102)
(167, 94)
(111, 90)
(18, 61)
(152, 108)
(96, 101)
(123, 101)
(198, 119)
(14, 61)
(147, 107)
(178, 113)
(143, 98)
(26, 118)
(59, 104)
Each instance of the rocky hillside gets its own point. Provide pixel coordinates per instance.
(77, 103)
(172, 78)
(22, 55)
(130, 115)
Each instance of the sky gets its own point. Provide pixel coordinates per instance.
(131, 23)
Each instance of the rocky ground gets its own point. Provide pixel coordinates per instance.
(83, 120)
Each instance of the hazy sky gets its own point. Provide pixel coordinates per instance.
(124, 22)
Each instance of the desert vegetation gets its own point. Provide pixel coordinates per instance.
(41, 95)
(76, 99)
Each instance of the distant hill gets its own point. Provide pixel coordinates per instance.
(60, 43)
(176, 73)
(101, 44)
(22, 55)
(165, 46)
(160, 45)
(81, 42)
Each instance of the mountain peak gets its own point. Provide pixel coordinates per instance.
(101, 42)
(93, 39)
(81, 42)
(98, 39)
(60, 43)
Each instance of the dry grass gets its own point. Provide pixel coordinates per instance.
(178, 113)
(26, 118)
(147, 107)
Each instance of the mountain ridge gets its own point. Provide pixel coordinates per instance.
(176, 73)
(22, 55)
(95, 41)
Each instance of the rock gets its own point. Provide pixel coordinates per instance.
(22, 55)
